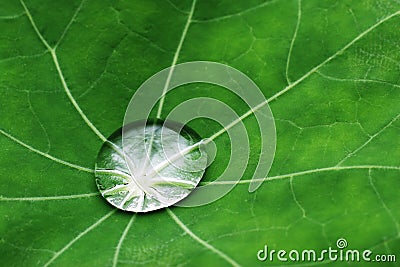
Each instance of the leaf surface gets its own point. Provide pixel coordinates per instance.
(330, 70)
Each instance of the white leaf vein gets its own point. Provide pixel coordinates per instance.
(306, 172)
(79, 236)
(121, 240)
(46, 198)
(46, 155)
(201, 241)
(293, 41)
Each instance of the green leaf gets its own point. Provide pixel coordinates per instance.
(329, 69)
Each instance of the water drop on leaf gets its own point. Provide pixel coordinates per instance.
(155, 166)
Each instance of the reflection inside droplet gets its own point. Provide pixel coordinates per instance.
(156, 165)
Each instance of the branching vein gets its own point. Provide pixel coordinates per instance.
(72, 99)
(318, 170)
(175, 58)
(121, 240)
(35, 28)
(201, 241)
(87, 230)
(389, 212)
(372, 137)
(303, 211)
(69, 23)
(305, 76)
(293, 40)
(60, 74)
(266, 3)
(32, 199)
(46, 155)
(292, 85)
(357, 80)
(11, 17)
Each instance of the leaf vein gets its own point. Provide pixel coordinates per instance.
(35, 28)
(266, 3)
(87, 230)
(65, 197)
(293, 41)
(372, 137)
(288, 175)
(175, 58)
(388, 211)
(305, 76)
(69, 23)
(201, 241)
(356, 80)
(121, 240)
(46, 155)
(61, 75)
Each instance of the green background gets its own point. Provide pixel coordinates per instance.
(338, 122)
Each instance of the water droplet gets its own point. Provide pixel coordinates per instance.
(150, 166)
